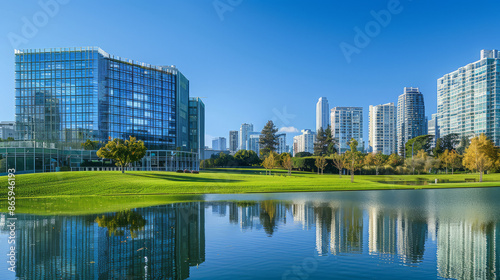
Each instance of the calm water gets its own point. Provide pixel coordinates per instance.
(421, 234)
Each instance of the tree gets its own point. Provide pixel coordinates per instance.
(450, 141)
(288, 163)
(324, 144)
(321, 163)
(456, 160)
(438, 148)
(268, 140)
(432, 163)
(376, 160)
(354, 158)
(246, 158)
(90, 145)
(320, 144)
(445, 160)
(339, 162)
(394, 160)
(480, 155)
(463, 145)
(123, 152)
(269, 163)
(422, 142)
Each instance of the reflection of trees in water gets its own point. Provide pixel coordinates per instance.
(116, 223)
(267, 216)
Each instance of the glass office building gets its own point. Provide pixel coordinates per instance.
(66, 96)
(469, 99)
(196, 125)
(69, 95)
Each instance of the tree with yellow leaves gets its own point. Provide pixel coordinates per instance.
(480, 155)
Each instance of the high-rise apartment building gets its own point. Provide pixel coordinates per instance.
(469, 98)
(382, 129)
(347, 123)
(69, 95)
(282, 147)
(322, 113)
(411, 120)
(244, 135)
(304, 142)
(233, 141)
(254, 142)
(219, 143)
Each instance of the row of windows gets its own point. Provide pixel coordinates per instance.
(56, 56)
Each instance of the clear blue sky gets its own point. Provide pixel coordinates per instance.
(264, 58)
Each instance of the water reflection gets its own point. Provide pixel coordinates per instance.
(165, 242)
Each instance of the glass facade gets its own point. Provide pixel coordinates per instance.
(469, 99)
(69, 95)
(411, 120)
(347, 123)
(196, 125)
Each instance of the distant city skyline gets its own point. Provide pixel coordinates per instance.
(224, 58)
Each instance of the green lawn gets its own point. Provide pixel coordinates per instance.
(101, 191)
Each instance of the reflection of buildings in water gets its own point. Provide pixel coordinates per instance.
(468, 250)
(347, 231)
(381, 231)
(233, 213)
(323, 217)
(304, 214)
(219, 208)
(265, 214)
(67, 247)
(411, 234)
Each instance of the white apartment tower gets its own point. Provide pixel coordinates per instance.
(469, 99)
(304, 142)
(322, 114)
(347, 123)
(382, 129)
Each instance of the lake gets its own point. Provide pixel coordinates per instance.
(395, 234)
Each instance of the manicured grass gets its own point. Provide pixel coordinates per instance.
(98, 192)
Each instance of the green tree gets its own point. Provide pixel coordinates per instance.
(320, 145)
(379, 160)
(268, 141)
(450, 141)
(438, 148)
(463, 145)
(303, 154)
(422, 142)
(246, 158)
(394, 160)
(123, 152)
(90, 145)
(354, 158)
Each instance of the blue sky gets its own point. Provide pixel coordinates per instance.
(256, 60)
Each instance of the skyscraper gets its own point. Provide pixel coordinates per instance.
(411, 121)
(244, 130)
(68, 95)
(322, 113)
(233, 141)
(254, 142)
(347, 123)
(382, 129)
(219, 143)
(304, 142)
(281, 148)
(469, 98)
